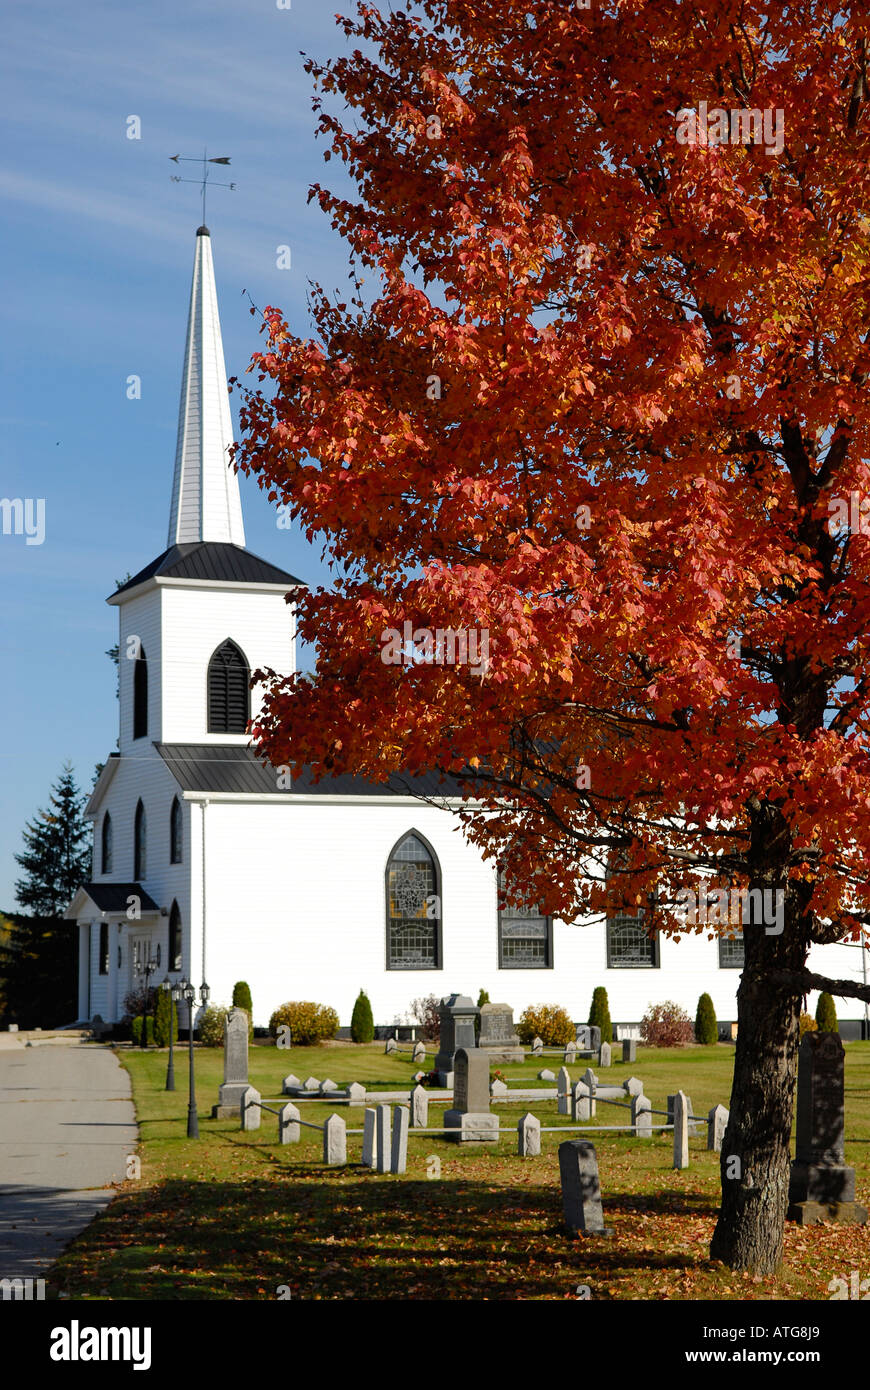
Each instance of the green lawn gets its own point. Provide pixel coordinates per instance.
(236, 1215)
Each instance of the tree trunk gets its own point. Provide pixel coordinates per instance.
(756, 1148)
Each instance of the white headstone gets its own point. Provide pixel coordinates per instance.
(382, 1124)
(581, 1105)
(681, 1131)
(391, 1045)
(716, 1123)
(528, 1136)
(570, 1054)
(399, 1147)
(335, 1141)
(419, 1052)
(641, 1116)
(563, 1091)
(498, 1090)
(327, 1086)
(537, 1047)
(290, 1084)
(249, 1108)
(633, 1087)
(356, 1093)
(419, 1108)
(289, 1131)
(604, 1055)
(312, 1084)
(546, 1075)
(370, 1137)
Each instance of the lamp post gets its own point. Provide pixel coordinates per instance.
(173, 992)
(188, 992)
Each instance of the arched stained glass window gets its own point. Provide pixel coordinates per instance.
(106, 845)
(174, 957)
(228, 692)
(175, 832)
(140, 695)
(139, 836)
(413, 907)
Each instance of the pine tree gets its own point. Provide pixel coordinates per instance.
(242, 1000)
(826, 1014)
(706, 1029)
(164, 1010)
(599, 1014)
(362, 1028)
(57, 855)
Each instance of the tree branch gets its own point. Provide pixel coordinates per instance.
(805, 980)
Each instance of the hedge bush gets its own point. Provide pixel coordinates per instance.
(549, 1022)
(599, 1014)
(826, 1014)
(165, 1008)
(362, 1025)
(242, 1000)
(666, 1025)
(706, 1030)
(211, 1025)
(309, 1022)
(149, 1031)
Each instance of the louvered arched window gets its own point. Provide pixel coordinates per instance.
(140, 867)
(173, 962)
(228, 693)
(106, 845)
(140, 695)
(175, 832)
(413, 907)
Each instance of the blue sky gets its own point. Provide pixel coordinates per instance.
(97, 252)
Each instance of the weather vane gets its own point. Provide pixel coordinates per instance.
(204, 161)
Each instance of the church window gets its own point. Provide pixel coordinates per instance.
(525, 936)
(413, 907)
(174, 957)
(228, 691)
(140, 695)
(139, 835)
(732, 951)
(629, 946)
(104, 948)
(106, 845)
(175, 832)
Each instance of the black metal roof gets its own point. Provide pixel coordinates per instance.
(212, 767)
(215, 560)
(112, 897)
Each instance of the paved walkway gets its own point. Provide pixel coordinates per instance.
(67, 1124)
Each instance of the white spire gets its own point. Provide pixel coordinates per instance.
(205, 491)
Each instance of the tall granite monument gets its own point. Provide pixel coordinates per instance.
(821, 1188)
(235, 1081)
(469, 1115)
(457, 1014)
(497, 1036)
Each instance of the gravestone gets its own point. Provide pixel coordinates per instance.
(582, 1107)
(327, 1086)
(235, 1065)
(629, 1050)
(693, 1126)
(335, 1141)
(290, 1084)
(356, 1094)
(457, 1014)
(249, 1108)
(419, 1108)
(821, 1186)
(370, 1137)
(390, 1046)
(419, 1054)
(289, 1129)
(570, 1054)
(633, 1087)
(528, 1136)
(399, 1147)
(641, 1116)
(382, 1126)
(546, 1075)
(717, 1120)
(588, 1037)
(497, 1034)
(498, 1090)
(581, 1193)
(537, 1046)
(681, 1128)
(469, 1115)
(604, 1055)
(563, 1091)
(312, 1084)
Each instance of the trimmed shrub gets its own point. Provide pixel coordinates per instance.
(211, 1025)
(362, 1026)
(666, 1025)
(826, 1014)
(599, 1013)
(242, 1000)
(165, 1008)
(706, 1028)
(482, 998)
(808, 1024)
(549, 1022)
(309, 1022)
(427, 1014)
(137, 1030)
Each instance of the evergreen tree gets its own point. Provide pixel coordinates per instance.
(599, 1014)
(164, 1009)
(242, 1000)
(362, 1028)
(57, 854)
(706, 1029)
(826, 1014)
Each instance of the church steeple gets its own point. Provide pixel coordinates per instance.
(206, 505)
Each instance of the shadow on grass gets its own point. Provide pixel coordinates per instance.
(340, 1235)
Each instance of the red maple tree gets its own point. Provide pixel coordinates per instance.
(602, 414)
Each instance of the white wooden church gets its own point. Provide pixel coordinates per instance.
(206, 865)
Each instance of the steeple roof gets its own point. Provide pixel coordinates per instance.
(205, 491)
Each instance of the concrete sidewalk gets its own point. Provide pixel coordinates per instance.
(67, 1125)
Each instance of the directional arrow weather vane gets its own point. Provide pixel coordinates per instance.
(204, 160)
